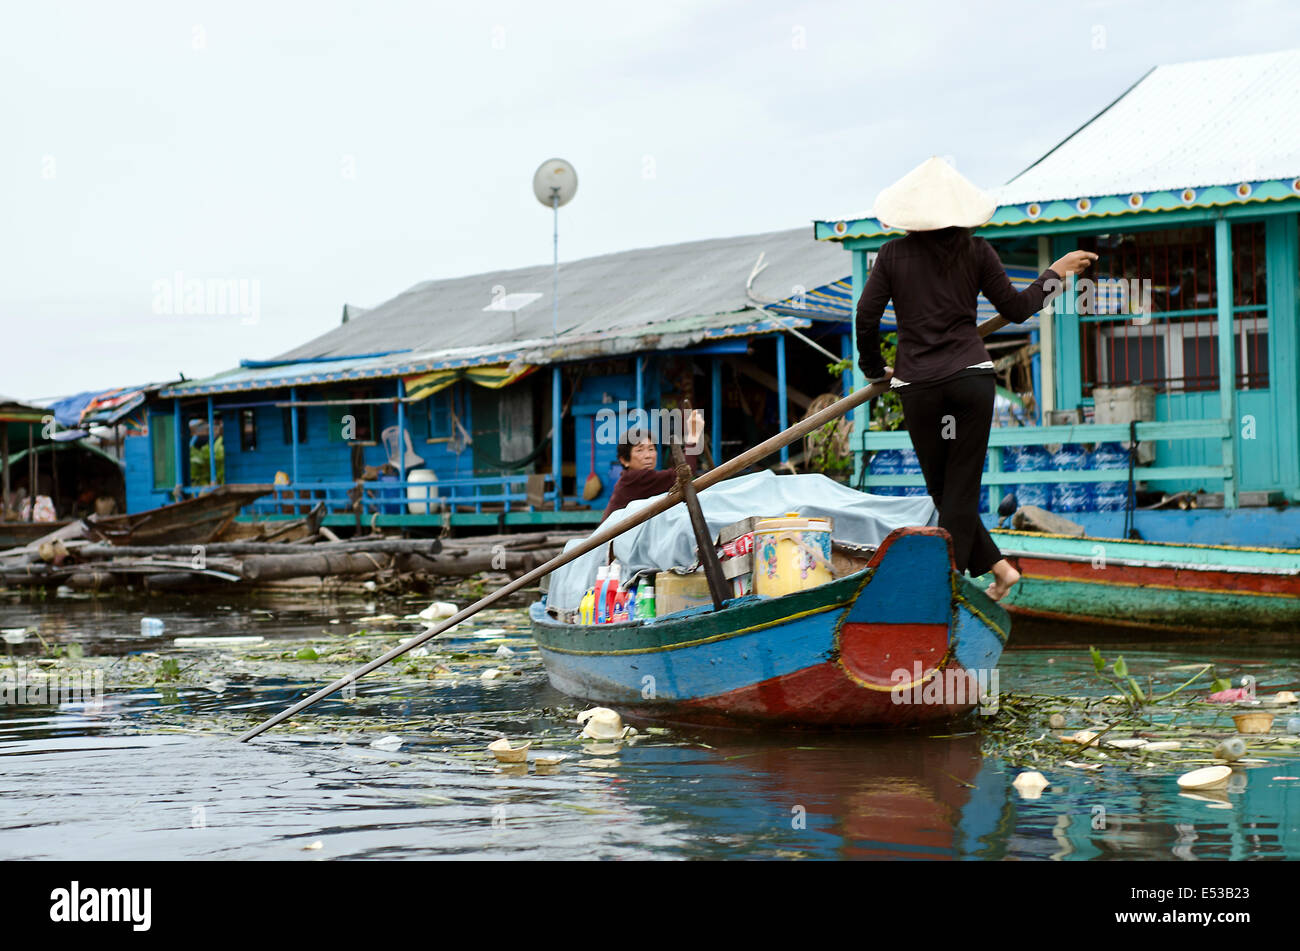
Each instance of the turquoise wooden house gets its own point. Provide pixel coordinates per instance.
(1188, 187)
(457, 402)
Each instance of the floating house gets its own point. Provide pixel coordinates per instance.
(483, 400)
(1188, 187)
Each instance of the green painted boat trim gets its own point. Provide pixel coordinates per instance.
(1118, 550)
(679, 630)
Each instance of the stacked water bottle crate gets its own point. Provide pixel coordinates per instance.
(1071, 496)
(1109, 496)
(1029, 459)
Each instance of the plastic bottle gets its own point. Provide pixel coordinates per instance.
(587, 607)
(150, 627)
(623, 606)
(611, 593)
(645, 602)
(598, 594)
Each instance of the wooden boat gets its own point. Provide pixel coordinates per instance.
(280, 531)
(1187, 588)
(18, 534)
(901, 639)
(195, 521)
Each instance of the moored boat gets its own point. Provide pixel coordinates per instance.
(900, 639)
(194, 521)
(1185, 588)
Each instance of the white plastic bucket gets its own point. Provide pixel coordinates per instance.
(421, 492)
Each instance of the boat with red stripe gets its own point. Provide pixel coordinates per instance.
(900, 639)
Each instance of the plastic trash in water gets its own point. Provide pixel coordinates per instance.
(503, 651)
(390, 742)
(151, 627)
(1293, 725)
(14, 635)
(438, 611)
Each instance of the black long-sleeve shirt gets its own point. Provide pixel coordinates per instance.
(936, 312)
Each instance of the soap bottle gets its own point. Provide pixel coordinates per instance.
(611, 593)
(598, 594)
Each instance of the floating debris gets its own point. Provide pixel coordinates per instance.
(505, 753)
(218, 641)
(390, 742)
(1253, 722)
(1030, 784)
(1231, 749)
(1211, 777)
(602, 723)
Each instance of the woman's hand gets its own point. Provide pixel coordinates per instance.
(888, 375)
(1076, 262)
(694, 427)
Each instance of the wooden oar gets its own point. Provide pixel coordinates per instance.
(604, 535)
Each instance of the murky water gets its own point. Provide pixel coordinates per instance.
(154, 771)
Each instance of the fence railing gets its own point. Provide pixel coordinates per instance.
(392, 497)
(1085, 434)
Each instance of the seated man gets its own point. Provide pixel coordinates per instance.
(638, 454)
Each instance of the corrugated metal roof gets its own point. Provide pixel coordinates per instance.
(626, 290)
(1183, 125)
(678, 333)
(666, 297)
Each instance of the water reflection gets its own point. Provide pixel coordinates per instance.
(154, 773)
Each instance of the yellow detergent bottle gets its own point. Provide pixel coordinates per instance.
(587, 607)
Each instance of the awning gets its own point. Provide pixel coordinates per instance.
(495, 377)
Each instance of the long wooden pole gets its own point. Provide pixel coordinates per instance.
(603, 536)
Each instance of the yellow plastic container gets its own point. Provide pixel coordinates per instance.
(791, 553)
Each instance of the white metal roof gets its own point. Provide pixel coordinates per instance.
(1213, 122)
(1185, 125)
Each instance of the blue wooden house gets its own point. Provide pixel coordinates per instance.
(459, 402)
(1188, 185)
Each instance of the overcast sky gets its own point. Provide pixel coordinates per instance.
(332, 152)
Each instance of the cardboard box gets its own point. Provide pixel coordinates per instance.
(677, 592)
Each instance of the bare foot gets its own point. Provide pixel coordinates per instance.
(1004, 576)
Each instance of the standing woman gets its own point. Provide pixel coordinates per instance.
(944, 376)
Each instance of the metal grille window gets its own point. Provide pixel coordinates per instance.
(1151, 314)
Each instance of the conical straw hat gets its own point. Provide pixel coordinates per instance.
(931, 196)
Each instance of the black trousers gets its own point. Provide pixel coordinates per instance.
(949, 424)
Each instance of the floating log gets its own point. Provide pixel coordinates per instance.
(275, 567)
(387, 546)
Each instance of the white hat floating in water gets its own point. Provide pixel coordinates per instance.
(931, 196)
(602, 723)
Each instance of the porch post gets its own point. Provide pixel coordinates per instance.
(212, 445)
(4, 468)
(556, 420)
(401, 431)
(1223, 294)
(1283, 255)
(782, 411)
(293, 433)
(715, 411)
(181, 471)
(1046, 384)
(858, 437)
(640, 390)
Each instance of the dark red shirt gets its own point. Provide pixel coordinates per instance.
(936, 312)
(643, 483)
